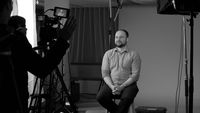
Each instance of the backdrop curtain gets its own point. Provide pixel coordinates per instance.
(91, 37)
(20, 9)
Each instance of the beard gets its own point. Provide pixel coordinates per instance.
(120, 45)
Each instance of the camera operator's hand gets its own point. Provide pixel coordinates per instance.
(68, 29)
(22, 30)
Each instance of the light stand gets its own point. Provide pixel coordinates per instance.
(110, 22)
(189, 82)
(184, 7)
(110, 18)
(191, 79)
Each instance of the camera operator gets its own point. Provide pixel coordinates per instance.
(17, 57)
(17, 24)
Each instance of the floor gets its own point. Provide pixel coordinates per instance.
(88, 104)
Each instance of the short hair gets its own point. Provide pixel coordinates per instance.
(125, 31)
(17, 21)
(4, 3)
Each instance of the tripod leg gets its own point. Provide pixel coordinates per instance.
(30, 107)
(35, 105)
(37, 102)
(72, 104)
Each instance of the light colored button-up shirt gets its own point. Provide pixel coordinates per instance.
(120, 65)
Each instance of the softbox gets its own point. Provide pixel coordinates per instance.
(166, 7)
(182, 7)
(188, 5)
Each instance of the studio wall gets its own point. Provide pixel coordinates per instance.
(158, 39)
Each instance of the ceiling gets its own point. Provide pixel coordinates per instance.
(99, 3)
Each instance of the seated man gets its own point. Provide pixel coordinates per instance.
(120, 72)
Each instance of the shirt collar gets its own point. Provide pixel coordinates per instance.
(124, 50)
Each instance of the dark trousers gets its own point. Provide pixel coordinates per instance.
(105, 98)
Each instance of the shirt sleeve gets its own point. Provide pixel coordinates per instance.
(136, 66)
(105, 70)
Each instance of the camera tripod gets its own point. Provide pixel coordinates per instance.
(46, 98)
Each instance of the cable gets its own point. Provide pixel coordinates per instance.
(180, 70)
(119, 7)
(179, 81)
(186, 67)
(48, 10)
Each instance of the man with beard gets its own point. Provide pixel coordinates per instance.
(120, 72)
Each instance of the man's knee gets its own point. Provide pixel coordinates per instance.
(100, 97)
(127, 100)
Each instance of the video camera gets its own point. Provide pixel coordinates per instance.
(58, 13)
(48, 32)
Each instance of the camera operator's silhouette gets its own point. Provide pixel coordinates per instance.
(17, 57)
(17, 24)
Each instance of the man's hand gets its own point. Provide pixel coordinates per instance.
(117, 89)
(114, 89)
(22, 30)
